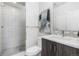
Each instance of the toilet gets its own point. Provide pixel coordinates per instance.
(34, 50)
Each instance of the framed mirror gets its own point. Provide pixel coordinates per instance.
(44, 22)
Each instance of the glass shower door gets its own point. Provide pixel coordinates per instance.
(13, 29)
(0, 28)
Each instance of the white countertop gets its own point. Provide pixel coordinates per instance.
(69, 41)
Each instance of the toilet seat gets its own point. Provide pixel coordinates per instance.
(34, 50)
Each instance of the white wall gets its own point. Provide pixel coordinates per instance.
(32, 13)
(32, 16)
(14, 27)
(67, 16)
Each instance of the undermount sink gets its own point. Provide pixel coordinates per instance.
(60, 37)
(63, 38)
(56, 36)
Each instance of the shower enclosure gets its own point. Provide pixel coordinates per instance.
(12, 28)
(0, 31)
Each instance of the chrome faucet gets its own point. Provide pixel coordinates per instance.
(78, 34)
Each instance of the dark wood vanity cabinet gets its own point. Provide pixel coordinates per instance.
(50, 48)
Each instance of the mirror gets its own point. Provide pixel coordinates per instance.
(44, 22)
(66, 16)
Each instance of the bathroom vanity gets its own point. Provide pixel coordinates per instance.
(56, 45)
